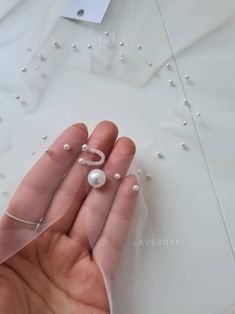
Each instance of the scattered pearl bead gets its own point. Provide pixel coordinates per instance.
(106, 33)
(66, 147)
(139, 171)
(81, 161)
(17, 96)
(171, 83)
(47, 150)
(149, 177)
(186, 102)
(121, 43)
(168, 66)
(139, 47)
(159, 155)
(85, 147)
(44, 137)
(185, 123)
(136, 188)
(198, 114)
(187, 77)
(74, 46)
(150, 64)
(117, 176)
(23, 69)
(183, 145)
(89, 46)
(33, 152)
(55, 43)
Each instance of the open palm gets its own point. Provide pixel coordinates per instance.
(60, 271)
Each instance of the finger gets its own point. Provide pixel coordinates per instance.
(75, 187)
(96, 207)
(32, 198)
(109, 247)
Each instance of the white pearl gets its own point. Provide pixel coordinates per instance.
(136, 188)
(81, 161)
(85, 147)
(106, 33)
(74, 46)
(55, 43)
(139, 171)
(139, 47)
(148, 176)
(96, 178)
(187, 77)
(150, 64)
(23, 69)
(117, 176)
(185, 123)
(159, 155)
(121, 43)
(198, 114)
(17, 96)
(186, 102)
(44, 137)
(183, 145)
(89, 46)
(66, 147)
(168, 66)
(171, 82)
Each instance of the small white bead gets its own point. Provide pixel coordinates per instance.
(23, 69)
(66, 147)
(168, 66)
(139, 171)
(149, 177)
(84, 147)
(186, 102)
(47, 150)
(106, 33)
(150, 64)
(89, 46)
(183, 145)
(136, 188)
(117, 176)
(55, 43)
(74, 46)
(159, 155)
(187, 77)
(139, 47)
(184, 122)
(121, 43)
(198, 114)
(17, 96)
(44, 137)
(33, 152)
(171, 83)
(81, 161)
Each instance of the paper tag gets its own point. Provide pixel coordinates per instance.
(86, 10)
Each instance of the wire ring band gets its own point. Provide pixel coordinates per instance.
(37, 224)
(86, 148)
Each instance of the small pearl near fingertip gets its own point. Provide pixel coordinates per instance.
(84, 147)
(81, 161)
(117, 176)
(67, 147)
(149, 177)
(136, 188)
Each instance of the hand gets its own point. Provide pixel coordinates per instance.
(59, 271)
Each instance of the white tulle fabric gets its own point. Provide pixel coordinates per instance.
(179, 254)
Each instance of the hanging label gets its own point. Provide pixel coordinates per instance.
(86, 10)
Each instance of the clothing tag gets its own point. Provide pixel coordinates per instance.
(86, 10)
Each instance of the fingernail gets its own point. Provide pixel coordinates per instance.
(81, 127)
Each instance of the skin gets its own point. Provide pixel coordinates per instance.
(59, 272)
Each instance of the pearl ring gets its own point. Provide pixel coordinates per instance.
(96, 178)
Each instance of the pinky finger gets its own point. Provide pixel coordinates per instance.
(109, 246)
